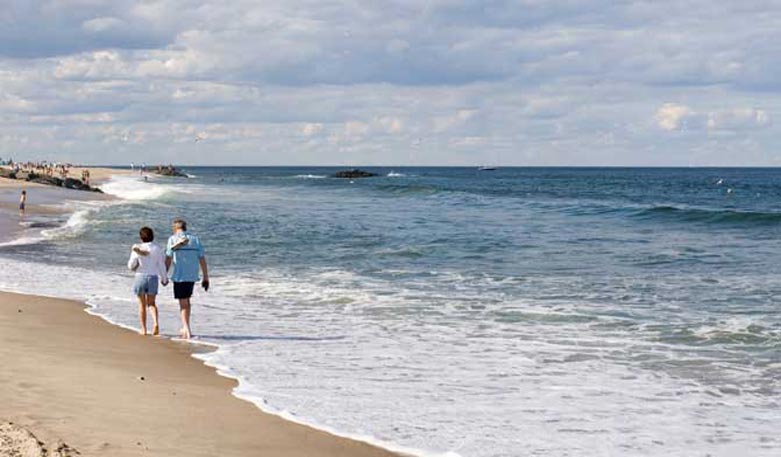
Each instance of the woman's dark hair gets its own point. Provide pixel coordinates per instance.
(146, 234)
(24, 192)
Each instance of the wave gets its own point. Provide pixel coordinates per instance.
(709, 216)
(109, 299)
(37, 231)
(75, 225)
(393, 174)
(311, 176)
(133, 188)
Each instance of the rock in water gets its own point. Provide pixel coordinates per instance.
(170, 171)
(354, 173)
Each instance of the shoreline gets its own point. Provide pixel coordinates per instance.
(43, 201)
(95, 367)
(38, 416)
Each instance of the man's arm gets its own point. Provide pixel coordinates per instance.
(167, 263)
(205, 271)
(132, 262)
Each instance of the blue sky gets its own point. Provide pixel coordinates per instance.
(440, 82)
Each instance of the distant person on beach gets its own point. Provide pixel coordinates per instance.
(22, 201)
(186, 253)
(148, 261)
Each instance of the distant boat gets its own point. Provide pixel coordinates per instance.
(486, 168)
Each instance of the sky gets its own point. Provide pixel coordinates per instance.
(397, 82)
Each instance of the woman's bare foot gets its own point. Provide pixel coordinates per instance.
(142, 332)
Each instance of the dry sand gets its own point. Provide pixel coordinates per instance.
(69, 377)
(98, 175)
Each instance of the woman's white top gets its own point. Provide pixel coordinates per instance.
(152, 264)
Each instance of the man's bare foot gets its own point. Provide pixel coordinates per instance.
(155, 331)
(142, 332)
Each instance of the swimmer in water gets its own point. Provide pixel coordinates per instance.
(22, 201)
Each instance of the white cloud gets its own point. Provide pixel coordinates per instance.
(459, 117)
(311, 128)
(671, 116)
(737, 119)
(102, 24)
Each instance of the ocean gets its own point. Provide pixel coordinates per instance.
(457, 312)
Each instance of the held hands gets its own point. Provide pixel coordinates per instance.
(164, 281)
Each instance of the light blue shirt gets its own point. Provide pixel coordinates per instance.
(186, 258)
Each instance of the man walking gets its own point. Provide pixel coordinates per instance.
(186, 253)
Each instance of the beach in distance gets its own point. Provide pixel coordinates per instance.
(426, 311)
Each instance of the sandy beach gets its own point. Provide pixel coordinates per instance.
(79, 383)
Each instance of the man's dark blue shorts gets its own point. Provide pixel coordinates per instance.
(183, 289)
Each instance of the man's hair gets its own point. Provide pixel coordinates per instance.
(181, 223)
(146, 234)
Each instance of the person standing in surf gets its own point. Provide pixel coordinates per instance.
(148, 262)
(186, 253)
(22, 201)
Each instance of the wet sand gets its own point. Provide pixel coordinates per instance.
(79, 383)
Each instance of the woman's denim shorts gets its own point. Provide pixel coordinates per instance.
(145, 285)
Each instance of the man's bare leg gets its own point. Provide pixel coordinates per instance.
(142, 313)
(152, 305)
(184, 309)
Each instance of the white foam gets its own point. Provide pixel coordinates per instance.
(134, 188)
(393, 174)
(311, 176)
(432, 380)
(107, 301)
(76, 224)
(22, 241)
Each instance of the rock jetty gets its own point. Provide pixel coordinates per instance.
(354, 173)
(68, 183)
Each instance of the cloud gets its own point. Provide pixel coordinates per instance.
(531, 82)
(671, 116)
(737, 119)
(47, 28)
(310, 129)
(102, 24)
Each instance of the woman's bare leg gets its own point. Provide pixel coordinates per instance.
(142, 313)
(152, 305)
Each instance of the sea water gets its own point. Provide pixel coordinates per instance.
(451, 311)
